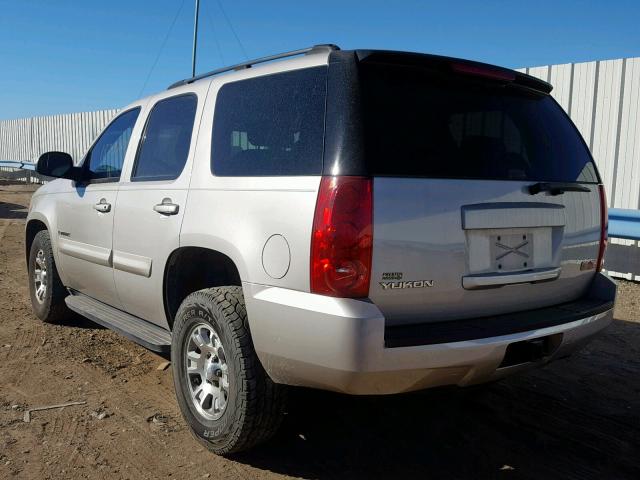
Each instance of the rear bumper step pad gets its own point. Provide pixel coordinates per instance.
(495, 326)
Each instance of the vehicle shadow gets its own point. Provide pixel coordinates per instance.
(74, 319)
(576, 418)
(11, 211)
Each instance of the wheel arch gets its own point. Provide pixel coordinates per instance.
(34, 225)
(189, 269)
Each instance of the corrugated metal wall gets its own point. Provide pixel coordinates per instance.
(603, 99)
(25, 139)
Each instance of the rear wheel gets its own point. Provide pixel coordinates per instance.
(224, 393)
(45, 287)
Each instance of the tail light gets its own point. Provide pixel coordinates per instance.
(341, 241)
(604, 227)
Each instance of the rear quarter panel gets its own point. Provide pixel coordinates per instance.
(237, 215)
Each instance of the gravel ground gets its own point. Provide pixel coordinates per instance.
(577, 418)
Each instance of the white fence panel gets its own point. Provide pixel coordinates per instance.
(603, 100)
(627, 189)
(25, 139)
(560, 78)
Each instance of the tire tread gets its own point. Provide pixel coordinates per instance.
(56, 310)
(259, 401)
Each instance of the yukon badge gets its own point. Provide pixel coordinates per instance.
(406, 284)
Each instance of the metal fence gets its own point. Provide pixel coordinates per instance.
(603, 100)
(624, 223)
(23, 172)
(19, 175)
(25, 139)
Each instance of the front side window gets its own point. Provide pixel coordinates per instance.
(104, 160)
(166, 140)
(270, 125)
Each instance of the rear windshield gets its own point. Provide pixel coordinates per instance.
(417, 124)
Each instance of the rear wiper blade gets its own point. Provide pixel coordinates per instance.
(556, 188)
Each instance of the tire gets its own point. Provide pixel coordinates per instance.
(244, 407)
(48, 304)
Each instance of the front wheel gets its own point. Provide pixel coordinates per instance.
(45, 287)
(224, 394)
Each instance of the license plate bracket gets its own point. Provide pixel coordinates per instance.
(512, 251)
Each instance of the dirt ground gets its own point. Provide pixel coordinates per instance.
(577, 418)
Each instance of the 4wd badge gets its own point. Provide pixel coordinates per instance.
(392, 276)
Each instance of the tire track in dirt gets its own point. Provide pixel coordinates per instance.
(23, 350)
(130, 410)
(68, 435)
(6, 224)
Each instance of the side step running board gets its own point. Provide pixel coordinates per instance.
(140, 331)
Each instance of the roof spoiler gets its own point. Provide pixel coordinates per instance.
(455, 65)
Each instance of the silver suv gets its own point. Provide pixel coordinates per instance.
(368, 222)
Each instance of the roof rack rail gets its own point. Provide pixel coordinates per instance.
(250, 63)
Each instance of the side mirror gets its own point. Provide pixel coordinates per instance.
(58, 165)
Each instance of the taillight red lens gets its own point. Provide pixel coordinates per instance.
(341, 240)
(604, 227)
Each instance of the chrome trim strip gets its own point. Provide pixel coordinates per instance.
(485, 280)
(84, 251)
(128, 262)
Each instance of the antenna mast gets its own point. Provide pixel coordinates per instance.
(195, 38)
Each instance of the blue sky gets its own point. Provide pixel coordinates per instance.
(65, 56)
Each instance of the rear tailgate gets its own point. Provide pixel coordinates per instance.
(436, 240)
(458, 231)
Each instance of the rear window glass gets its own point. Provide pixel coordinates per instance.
(419, 124)
(270, 125)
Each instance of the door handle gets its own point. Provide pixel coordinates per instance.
(166, 207)
(102, 206)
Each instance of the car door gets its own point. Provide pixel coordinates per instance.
(151, 203)
(86, 212)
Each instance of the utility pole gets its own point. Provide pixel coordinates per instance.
(195, 38)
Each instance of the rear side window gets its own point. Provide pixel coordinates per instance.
(271, 125)
(104, 160)
(423, 125)
(165, 143)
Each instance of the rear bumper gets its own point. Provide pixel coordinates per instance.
(339, 344)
